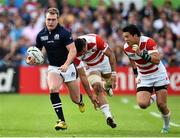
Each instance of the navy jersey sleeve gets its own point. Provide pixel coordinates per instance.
(68, 39)
(38, 42)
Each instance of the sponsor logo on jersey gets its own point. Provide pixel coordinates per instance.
(50, 42)
(44, 38)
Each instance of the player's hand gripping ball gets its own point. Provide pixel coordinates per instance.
(34, 56)
(135, 47)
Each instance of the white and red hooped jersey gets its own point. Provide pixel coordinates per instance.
(145, 68)
(95, 48)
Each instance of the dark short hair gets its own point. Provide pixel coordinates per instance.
(132, 29)
(80, 43)
(53, 11)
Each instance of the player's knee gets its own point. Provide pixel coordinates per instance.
(143, 105)
(94, 79)
(53, 89)
(97, 87)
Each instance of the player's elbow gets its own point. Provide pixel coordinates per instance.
(73, 52)
(155, 58)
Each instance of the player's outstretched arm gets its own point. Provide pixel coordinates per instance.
(85, 83)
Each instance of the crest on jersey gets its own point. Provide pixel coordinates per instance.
(73, 74)
(56, 37)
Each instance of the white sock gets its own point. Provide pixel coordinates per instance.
(166, 119)
(105, 110)
(153, 98)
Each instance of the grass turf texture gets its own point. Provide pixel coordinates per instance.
(33, 116)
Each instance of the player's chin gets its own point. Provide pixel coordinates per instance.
(128, 43)
(50, 27)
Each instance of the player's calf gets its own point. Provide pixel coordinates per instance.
(108, 88)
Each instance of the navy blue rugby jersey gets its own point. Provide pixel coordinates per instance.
(55, 43)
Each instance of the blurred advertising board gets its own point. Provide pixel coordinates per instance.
(32, 80)
(9, 79)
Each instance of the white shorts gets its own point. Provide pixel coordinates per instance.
(154, 80)
(104, 67)
(69, 75)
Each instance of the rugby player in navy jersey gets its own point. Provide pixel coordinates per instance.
(61, 52)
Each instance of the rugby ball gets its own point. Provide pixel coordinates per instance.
(35, 53)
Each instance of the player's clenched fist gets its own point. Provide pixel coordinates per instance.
(135, 47)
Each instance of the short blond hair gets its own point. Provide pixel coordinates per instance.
(53, 11)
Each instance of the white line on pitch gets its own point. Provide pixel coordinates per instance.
(136, 107)
(125, 100)
(155, 114)
(159, 116)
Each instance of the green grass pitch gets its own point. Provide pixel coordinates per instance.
(33, 116)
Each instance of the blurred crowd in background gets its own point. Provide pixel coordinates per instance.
(20, 23)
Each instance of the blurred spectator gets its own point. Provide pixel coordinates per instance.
(16, 3)
(12, 8)
(20, 20)
(149, 10)
(174, 60)
(5, 42)
(167, 9)
(175, 23)
(161, 22)
(16, 30)
(147, 27)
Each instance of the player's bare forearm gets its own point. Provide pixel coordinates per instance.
(111, 57)
(87, 88)
(71, 55)
(155, 58)
(84, 81)
(112, 61)
(133, 64)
